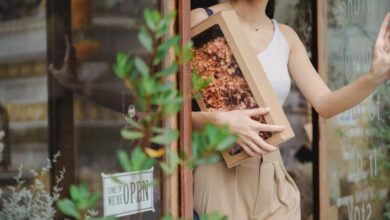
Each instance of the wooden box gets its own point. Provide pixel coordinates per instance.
(222, 51)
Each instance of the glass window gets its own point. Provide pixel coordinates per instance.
(101, 29)
(23, 89)
(356, 142)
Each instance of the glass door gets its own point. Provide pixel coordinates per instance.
(354, 146)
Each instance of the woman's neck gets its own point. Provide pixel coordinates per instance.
(251, 10)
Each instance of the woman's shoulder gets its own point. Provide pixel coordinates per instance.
(290, 34)
(197, 16)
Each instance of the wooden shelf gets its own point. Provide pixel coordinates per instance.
(23, 39)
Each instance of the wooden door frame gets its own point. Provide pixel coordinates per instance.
(322, 62)
(185, 125)
(60, 99)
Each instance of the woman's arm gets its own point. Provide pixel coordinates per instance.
(330, 103)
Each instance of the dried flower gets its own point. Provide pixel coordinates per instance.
(31, 201)
(229, 89)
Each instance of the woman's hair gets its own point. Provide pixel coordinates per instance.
(269, 11)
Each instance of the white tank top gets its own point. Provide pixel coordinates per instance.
(274, 60)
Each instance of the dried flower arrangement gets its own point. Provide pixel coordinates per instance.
(31, 201)
(228, 90)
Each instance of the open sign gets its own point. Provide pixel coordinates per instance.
(128, 193)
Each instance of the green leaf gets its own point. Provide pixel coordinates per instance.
(163, 48)
(165, 45)
(134, 123)
(83, 191)
(166, 168)
(163, 25)
(93, 199)
(166, 97)
(139, 160)
(145, 39)
(74, 193)
(211, 133)
(158, 129)
(141, 66)
(187, 52)
(167, 217)
(83, 195)
(149, 20)
(148, 85)
(166, 138)
(197, 82)
(173, 162)
(67, 208)
(173, 68)
(226, 143)
(156, 16)
(167, 86)
(214, 158)
(131, 135)
(123, 65)
(174, 105)
(124, 160)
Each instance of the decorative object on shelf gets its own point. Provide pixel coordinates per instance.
(239, 81)
(82, 11)
(86, 48)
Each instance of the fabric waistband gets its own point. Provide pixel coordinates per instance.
(266, 158)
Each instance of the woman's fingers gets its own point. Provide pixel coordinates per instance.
(246, 148)
(256, 111)
(383, 32)
(259, 151)
(267, 127)
(262, 144)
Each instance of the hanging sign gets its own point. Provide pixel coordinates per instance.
(128, 193)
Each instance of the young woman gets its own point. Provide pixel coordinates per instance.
(260, 188)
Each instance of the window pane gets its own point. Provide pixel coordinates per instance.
(23, 88)
(100, 30)
(357, 140)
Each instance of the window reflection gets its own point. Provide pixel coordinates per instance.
(357, 148)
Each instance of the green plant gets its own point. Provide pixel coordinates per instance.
(155, 98)
(81, 204)
(31, 201)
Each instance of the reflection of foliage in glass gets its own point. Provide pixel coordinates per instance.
(380, 130)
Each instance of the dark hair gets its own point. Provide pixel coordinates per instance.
(270, 9)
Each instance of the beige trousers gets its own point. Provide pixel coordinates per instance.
(257, 189)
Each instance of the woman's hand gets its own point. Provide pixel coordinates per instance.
(241, 123)
(66, 75)
(380, 67)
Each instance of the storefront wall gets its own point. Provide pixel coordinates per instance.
(23, 91)
(354, 145)
(41, 117)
